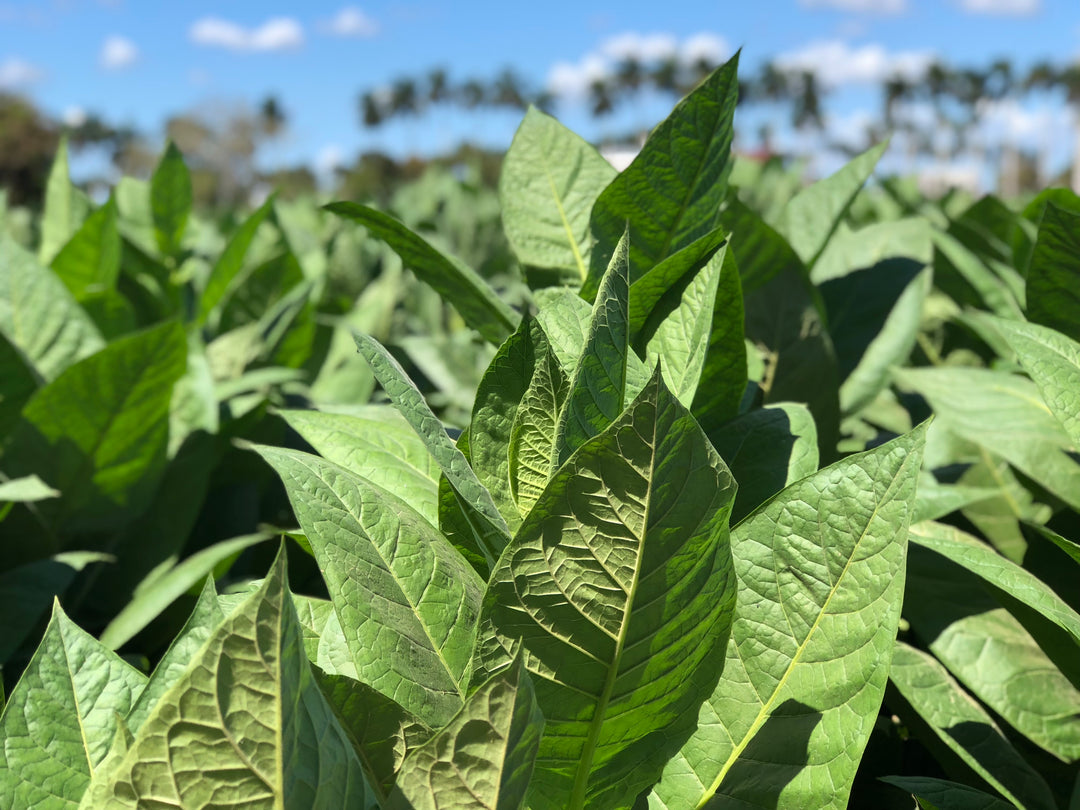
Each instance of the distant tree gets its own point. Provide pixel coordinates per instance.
(27, 145)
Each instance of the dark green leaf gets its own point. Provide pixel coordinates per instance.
(671, 194)
(1054, 273)
(170, 199)
(90, 262)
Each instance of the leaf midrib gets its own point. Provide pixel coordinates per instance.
(764, 712)
(581, 778)
(582, 270)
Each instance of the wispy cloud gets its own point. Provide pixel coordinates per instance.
(349, 22)
(277, 34)
(837, 63)
(118, 53)
(16, 73)
(572, 79)
(859, 6)
(1008, 8)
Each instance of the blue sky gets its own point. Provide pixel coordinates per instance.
(136, 61)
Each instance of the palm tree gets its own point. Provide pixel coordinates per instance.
(600, 97)
(370, 110)
(437, 86)
(507, 91)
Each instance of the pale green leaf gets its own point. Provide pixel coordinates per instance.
(990, 652)
(981, 560)
(618, 589)
(849, 250)
(203, 621)
(61, 717)
(1053, 362)
(65, 208)
(375, 442)
(484, 757)
(821, 570)
(550, 179)
(39, 316)
(406, 599)
(966, 728)
(680, 342)
(1004, 413)
(245, 725)
(812, 216)
(151, 598)
(532, 437)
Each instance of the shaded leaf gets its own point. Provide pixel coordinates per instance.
(1052, 298)
(170, 199)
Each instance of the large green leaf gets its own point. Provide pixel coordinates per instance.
(245, 725)
(1052, 296)
(597, 389)
(767, 449)
(785, 321)
(65, 208)
(964, 275)
(497, 399)
(488, 525)
(850, 250)
(812, 216)
(939, 794)
(619, 590)
(874, 317)
(39, 316)
(671, 194)
(90, 263)
(161, 589)
(382, 732)
(680, 342)
(981, 560)
(229, 264)
(376, 443)
(484, 757)
(1052, 360)
(550, 179)
(821, 571)
(454, 280)
(105, 454)
(1004, 413)
(170, 199)
(532, 436)
(201, 624)
(658, 292)
(966, 728)
(61, 718)
(724, 374)
(406, 599)
(991, 653)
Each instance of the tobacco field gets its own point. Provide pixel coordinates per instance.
(690, 486)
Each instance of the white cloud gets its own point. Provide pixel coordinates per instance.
(837, 63)
(1012, 8)
(859, 6)
(118, 53)
(15, 73)
(572, 79)
(329, 158)
(277, 34)
(1030, 126)
(350, 22)
(74, 116)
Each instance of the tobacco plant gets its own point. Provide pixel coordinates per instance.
(697, 545)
